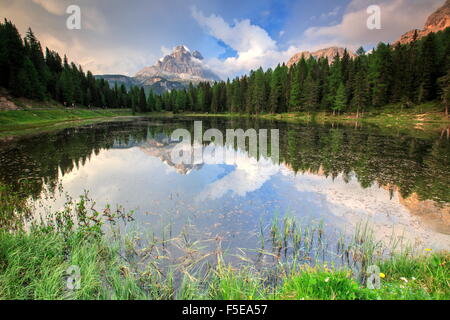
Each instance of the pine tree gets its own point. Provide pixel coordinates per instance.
(340, 102)
(361, 92)
(12, 53)
(66, 90)
(444, 84)
(180, 100)
(276, 91)
(429, 69)
(295, 93)
(215, 98)
(259, 92)
(380, 73)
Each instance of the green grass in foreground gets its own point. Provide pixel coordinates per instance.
(34, 263)
(33, 266)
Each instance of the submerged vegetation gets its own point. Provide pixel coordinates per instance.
(37, 262)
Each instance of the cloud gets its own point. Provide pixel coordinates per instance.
(243, 36)
(397, 17)
(332, 13)
(99, 61)
(57, 7)
(91, 18)
(254, 46)
(249, 175)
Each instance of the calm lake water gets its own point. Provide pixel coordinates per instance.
(332, 174)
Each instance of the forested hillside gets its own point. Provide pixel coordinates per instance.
(405, 74)
(27, 72)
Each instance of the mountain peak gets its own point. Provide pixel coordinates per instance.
(181, 48)
(180, 65)
(437, 21)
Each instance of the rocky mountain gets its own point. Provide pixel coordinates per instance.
(181, 66)
(438, 21)
(174, 71)
(329, 53)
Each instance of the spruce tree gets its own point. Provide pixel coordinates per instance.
(340, 102)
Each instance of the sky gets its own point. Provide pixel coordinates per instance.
(234, 36)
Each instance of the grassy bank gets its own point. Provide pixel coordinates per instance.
(35, 264)
(15, 120)
(28, 121)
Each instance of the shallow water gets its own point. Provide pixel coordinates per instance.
(336, 174)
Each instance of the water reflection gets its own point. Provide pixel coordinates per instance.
(338, 175)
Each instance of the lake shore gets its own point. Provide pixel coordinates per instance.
(14, 123)
(31, 120)
(34, 259)
(35, 266)
(418, 117)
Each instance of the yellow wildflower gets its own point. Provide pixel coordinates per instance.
(382, 275)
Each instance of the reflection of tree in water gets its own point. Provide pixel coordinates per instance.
(413, 164)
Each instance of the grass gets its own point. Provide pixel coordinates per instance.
(30, 121)
(34, 266)
(35, 262)
(18, 122)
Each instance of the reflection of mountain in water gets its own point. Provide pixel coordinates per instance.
(416, 165)
(159, 146)
(163, 151)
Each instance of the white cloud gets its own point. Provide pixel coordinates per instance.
(165, 51)
(397, 17)
(57, 7)
(100, 60)
(332, 13)
(249, 175)
(91, 18)
(254, 46)
(352, 204)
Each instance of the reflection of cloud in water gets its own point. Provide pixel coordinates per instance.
(249, 175)
(138, 181)
(352, 204)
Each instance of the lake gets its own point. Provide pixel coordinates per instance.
(334, 176)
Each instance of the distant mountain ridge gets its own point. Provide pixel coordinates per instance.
(329, 53)
(173, 71)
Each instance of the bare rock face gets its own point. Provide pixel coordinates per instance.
(180, 65)
(7, 104)
(438, 21)
(329, 53)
